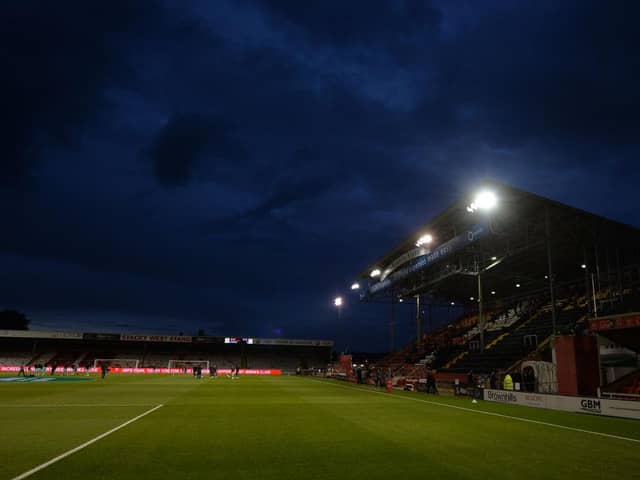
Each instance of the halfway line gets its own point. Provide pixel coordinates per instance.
(84, 445)
(618, 437)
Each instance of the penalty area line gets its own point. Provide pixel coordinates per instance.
(84, 445)
(511, 417)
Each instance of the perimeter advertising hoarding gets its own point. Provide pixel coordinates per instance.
(220, 371)
(615, 322)
(596, 406)
(419, 263)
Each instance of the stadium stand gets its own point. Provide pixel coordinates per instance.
(521, 270)
(156, 351)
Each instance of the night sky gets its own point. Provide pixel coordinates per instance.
(230, 165)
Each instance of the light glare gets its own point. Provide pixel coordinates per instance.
(486, 200)
(424, 239)
(338, 301)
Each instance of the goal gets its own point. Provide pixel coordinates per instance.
(117, 362)
(188, 363)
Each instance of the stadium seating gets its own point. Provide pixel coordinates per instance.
(10, 359)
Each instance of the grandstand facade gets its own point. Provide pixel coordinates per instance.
(523, 271)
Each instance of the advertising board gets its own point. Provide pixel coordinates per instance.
(591, 405)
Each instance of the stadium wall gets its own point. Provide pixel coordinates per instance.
(591, 405)
(578, 365)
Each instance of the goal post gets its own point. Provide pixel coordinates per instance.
(188, 364)
(117, 362)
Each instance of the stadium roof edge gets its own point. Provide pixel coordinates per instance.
(463, 201)
(74, 335)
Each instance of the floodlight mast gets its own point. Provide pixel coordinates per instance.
(338, 304)
(485, 200)
(418, 332)
(552, 295)
(480, 316)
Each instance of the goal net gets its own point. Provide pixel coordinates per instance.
(182, 364)
(117, 362)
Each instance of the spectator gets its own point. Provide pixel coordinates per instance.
(507, 384)
(493, 380)
(431, 383)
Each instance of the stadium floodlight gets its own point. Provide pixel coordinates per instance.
(484, 200)
(424, 240)
(337, 301)
(355, 286)
(375, 272)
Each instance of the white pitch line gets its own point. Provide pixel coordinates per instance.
(564, 427)
(84, 445)
(66, 405)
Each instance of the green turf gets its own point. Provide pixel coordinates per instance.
(294, 428)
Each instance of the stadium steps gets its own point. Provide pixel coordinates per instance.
(497, 340)
(453, 361)
(536, 354)
(512, 349)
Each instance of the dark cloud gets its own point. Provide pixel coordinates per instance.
(400, 26)
(57, 61)
(179, 144)
(552, 73)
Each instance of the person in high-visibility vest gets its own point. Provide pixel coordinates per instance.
(507, 384)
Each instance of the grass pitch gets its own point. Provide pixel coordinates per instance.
(294, 428)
